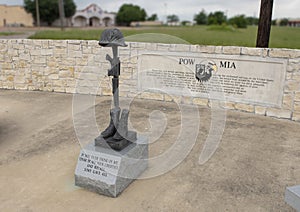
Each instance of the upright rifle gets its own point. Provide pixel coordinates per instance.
(115, 72)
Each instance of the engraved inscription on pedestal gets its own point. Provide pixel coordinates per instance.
(242, 79)
(98, 166)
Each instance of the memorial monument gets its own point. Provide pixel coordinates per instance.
(117, 156)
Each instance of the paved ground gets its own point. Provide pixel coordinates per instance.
(257, 158)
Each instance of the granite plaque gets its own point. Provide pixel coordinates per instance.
(98, 166)
(243, 79)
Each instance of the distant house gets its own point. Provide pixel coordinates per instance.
(14, 16)
(294, 22)
(173, 23)
(94, 16)
(146, 23)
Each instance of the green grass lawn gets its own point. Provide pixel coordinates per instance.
(9, 33)
(281, 37)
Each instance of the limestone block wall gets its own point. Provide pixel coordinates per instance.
(74, 66)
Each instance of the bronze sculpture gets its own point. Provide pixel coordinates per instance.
(116, 135)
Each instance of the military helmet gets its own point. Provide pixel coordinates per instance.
(112, 37)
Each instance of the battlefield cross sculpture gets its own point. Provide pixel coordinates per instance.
(116, 135)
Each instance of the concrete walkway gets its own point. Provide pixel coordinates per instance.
(21, 32)
(257, 159)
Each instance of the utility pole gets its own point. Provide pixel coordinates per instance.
(264, 24)
(166, 12)
(37, 9)
(61, 13)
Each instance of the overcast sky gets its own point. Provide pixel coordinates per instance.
(186, 9)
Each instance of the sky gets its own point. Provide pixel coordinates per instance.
(186, 9)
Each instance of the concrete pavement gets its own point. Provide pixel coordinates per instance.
(257, 159)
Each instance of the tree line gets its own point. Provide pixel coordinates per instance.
(239, 21)
(219, 18)
(129, 13)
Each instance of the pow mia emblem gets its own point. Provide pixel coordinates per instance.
(204, 70)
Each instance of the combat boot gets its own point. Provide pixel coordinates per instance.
(114, 120)
(122, 128)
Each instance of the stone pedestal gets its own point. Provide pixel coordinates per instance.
(292, 197)
(109, 172)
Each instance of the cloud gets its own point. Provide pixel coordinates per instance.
(283, 8)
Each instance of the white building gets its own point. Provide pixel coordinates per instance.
(94, 16)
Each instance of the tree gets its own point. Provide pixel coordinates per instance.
(216, 18)
(252, 21)
(172, 18)
(185, 23)
(153, 17)
(239, 21)
(201, 18)
(284, 22)
(70, 8)
(273, 22)
(128, 13)
(49, 9)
